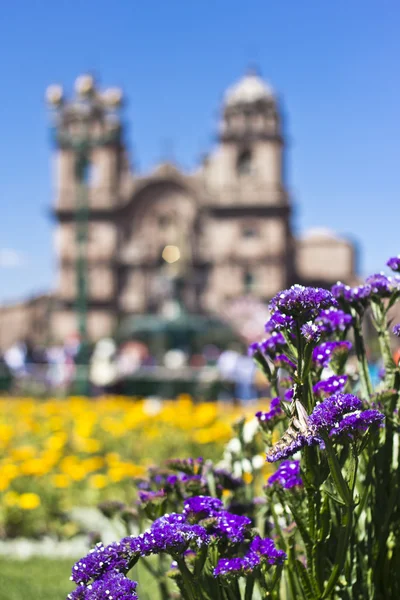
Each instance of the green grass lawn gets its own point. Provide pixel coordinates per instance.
(48, 579)
(35, 579)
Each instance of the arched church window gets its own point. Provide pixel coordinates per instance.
(244, 161)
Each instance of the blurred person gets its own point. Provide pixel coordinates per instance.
(244, 379)
(103, 368)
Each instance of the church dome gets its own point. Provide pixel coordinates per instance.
(249, 89)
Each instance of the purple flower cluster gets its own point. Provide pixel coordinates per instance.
(357, 421)
(279, 321)
(333, 320)
(327, 414)
(172, 534)
(274, 344)
(394, 263)
(265, 547)
(239, 565)
(287, 475)
(149, 495)
(378, 285)
(103, 559)
(323, 354)
(288, 396)
(381, 285)
(302, 303)
(265, 418)
(331, 416)
(311, 332)
(358, 296)
(396, 330)
(270, 347)
(230, 526)
(261, 550)
(113, 586)
(329, 386)
(202, 506)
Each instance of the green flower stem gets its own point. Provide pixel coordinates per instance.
(188, 579)
(336, 472)
(342, 551)
(381, 326)
(365, 379)
(248, 593)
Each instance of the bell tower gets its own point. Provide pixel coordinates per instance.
(249, 234)
(251, 133)
(89, 172)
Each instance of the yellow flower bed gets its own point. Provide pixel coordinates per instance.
(57, 454)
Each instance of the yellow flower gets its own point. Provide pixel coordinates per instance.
(98, 481)
(11, 498)
(29, 501)
(247, 477)
(60, 480)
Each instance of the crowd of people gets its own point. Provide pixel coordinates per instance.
(123, 368)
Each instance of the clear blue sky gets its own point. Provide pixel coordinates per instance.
(335, 63)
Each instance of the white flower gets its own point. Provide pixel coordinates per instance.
(234, 446)
(258, 461)
(249, 430)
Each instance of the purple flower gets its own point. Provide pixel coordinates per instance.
(237, 566)
(103, 559)
(202, 506)
(287, 475)
(274, 344)
(357, 421)
(394, 263)
(311, 332)
(171, 480)
(113, 586)
(381, 285)
(265, 418)
(172, 534)
(333, 320)
(329, 386)
(325, 418)
(358, 296)
(149, 496)
(302, 303)
(231, 526)
(261, 550)
(265, 547)
(396, 330)
(253, 349)
(289, 394)
(326, 414)
(323, 354)
(283, 362)
(279, 321)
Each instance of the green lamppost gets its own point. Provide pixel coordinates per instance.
(87, 122)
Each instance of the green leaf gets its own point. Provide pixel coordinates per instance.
(305, 580)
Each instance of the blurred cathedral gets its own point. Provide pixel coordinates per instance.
(223, 231)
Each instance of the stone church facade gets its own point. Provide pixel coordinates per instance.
(231, 220)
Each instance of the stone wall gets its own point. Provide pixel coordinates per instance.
(26, 321)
